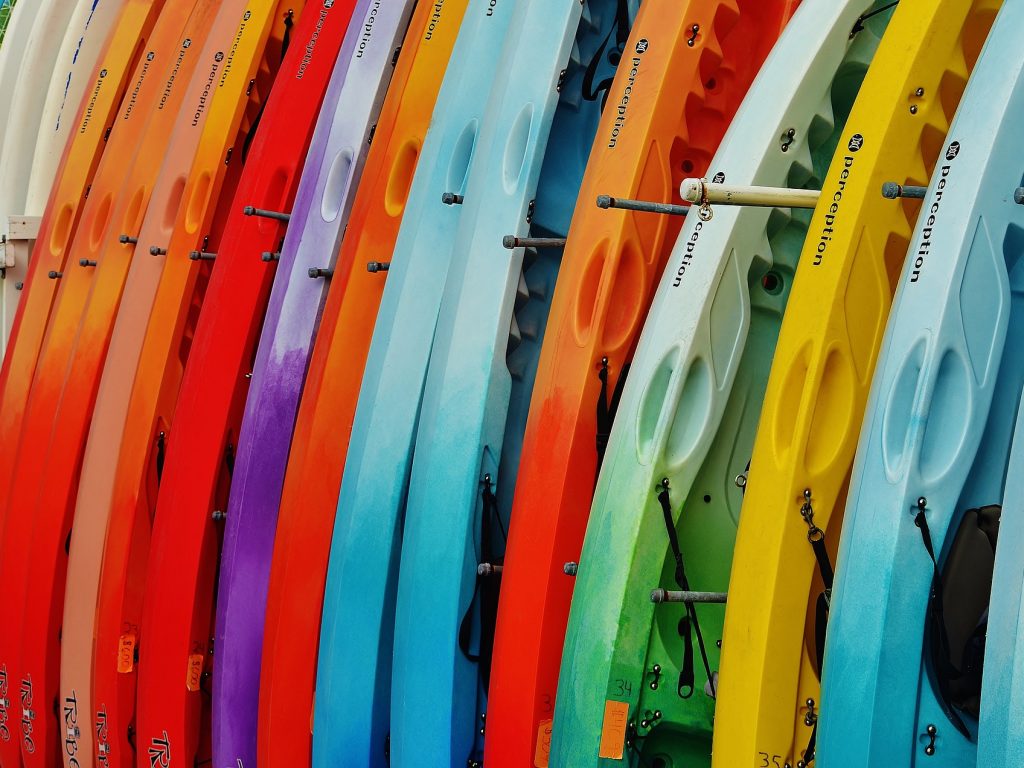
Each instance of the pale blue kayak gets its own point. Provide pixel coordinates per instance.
(902, 675)
(532, 152)
(352, 714)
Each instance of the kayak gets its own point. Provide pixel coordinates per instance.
(642, 678)
(16, 33)
(534, 140)
(83, 42)
(644, 148)
(22, 570)
(318, 222)
(999, 736)
(903, 657)
(46, 45)
(358, 612)
(309, 496)
(135, 398)
(86, 38)
(86, 308)
(768, 696)
(177, 615)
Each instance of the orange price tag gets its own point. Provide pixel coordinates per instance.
(543, 752)
(126, 653)
(194, 676)
(613, 733)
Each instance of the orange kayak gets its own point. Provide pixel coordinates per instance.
(120, 470)
(324, 422)
(178, 609)
(78, 166)
(650, 138)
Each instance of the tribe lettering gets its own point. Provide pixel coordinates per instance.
(28, 716)
(71, 732)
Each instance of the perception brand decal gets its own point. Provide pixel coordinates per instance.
(825, 236)
(314, 38)
(185, 45)
(924, 247)
(371, 18)
(622, 108)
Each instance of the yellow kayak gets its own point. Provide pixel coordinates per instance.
(768, 691)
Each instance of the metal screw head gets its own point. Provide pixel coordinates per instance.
(929, 750)
(922, 502)
(913, 109)
(656, 669)
(931, 730)
(919, 92)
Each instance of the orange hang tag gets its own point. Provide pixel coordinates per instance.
(543, 752)
(613, 733)
(194, 675)
(126, 653)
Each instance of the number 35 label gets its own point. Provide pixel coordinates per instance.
(764, 760)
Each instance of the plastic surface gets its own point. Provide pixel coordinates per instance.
(356, 633)
(322, 204)
(688, 415)
(533, 148)
(936, 435)
(149, 343)
(323, 425)
(817, 391)
(652, 139)
(177, 617)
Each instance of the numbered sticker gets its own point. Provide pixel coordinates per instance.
(613, 732)
(194, 675)
(542, 755)
(126, 653)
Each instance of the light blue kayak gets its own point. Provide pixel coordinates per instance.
(1001, 730)
(352, 714)
(902, 673)
(533, 149)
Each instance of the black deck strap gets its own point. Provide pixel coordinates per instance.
(229, 459)
(816, 538)
(606, 410)
(811, 744)
(289, 22)
(490, 586)
(938, 622)
(161, 456)
(486, 589)
(686, 675)
(858, 25)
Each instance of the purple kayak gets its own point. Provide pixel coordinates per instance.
(323, 201)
